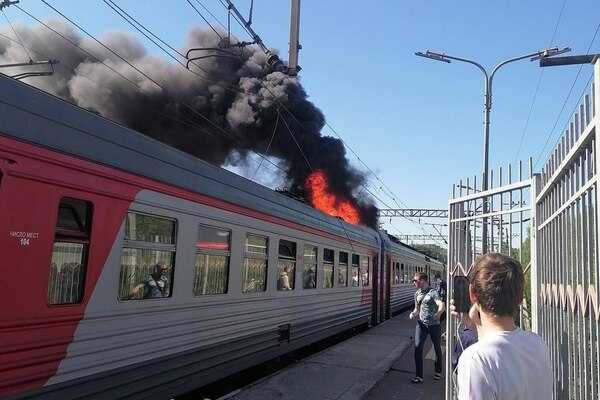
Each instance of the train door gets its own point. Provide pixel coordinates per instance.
(387, 274)
(375, 287)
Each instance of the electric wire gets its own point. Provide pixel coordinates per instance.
(211, 14)
(539, 82)
(230, 136)
(564, 104)
(19, 40)
(204, 18)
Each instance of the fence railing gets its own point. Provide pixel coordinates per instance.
(567, 253)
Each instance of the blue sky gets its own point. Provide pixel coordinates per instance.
(416, 122)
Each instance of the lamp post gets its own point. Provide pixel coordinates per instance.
(489, 77)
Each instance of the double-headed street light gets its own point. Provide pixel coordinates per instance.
(488, 107)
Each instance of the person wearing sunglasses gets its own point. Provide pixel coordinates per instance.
(428, 310)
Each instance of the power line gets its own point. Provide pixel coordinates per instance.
(537, 87)
(205, 20)
(211, 14)
(19, 40)
(551, 133)
(132, 82)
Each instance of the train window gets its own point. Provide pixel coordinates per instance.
(69, 252)
(355, 270)
(310, 267)
(343, 269)
(212, 261)
(286, 265)
(403, 277)
(148, 258)
(365, 270)
(328, 258)
(396, 276)
(254, 269)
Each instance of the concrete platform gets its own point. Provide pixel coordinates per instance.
(395, 385)
(346, 371)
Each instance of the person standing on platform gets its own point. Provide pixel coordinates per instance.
(506, 363)
(428, 310)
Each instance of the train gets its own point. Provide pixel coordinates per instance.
(134, 270)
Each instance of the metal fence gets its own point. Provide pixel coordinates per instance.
(509, 231)
(567, 226)
(548, 221)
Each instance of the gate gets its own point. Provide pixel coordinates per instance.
(550, 222)
(506, 211)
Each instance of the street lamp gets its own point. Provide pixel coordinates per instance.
(538, 55)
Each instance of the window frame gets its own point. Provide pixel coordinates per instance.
(213, 252)
(62, 235)
(316, 265)
(246, 254)
(143, 245)
(295, 261)
(328, 263)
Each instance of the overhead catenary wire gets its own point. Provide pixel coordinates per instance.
(131, 65)
(564, 104)
(154, 81)
(204, 18)
(211, 14)
(187, 106)
(19, 40)
(539, 82)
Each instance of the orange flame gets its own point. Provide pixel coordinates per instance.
(322, 199)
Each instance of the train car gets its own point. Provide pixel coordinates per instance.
(402, 262)
(131, 269)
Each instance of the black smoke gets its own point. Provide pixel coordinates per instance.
(241, 106)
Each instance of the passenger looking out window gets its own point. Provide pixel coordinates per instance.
(212, 261)
(254, 269)
(355, 270)
(365, 271)
(343, 269)
(310, 267)
(148, 257)
(155, 286)
(328, 257)
(286, 265)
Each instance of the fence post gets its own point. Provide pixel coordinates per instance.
(533, 248)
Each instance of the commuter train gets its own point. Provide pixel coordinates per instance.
(133, 270)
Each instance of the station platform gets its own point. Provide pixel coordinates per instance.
(376, 364)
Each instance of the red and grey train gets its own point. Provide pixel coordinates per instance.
(130, 269)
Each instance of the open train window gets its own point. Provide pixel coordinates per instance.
(148, 257)
(355, 279)
(328, 258)
(310, 267)
(211, 268)
(69, 252)
(254, 269)
(343, 269)
(286, 265)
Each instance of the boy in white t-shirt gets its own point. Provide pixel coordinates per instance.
(506, 363)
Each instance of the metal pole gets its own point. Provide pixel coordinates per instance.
(486, 155)
(487, 109)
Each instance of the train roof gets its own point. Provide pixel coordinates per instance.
(394, 243)
(35, 116)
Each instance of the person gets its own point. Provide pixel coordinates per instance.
(440, 287)
(427, 311)
(309, 279)
(506, 362)
(156, 285)
(355, 282)
(284, 280)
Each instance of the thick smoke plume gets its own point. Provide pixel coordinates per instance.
(249, 111)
